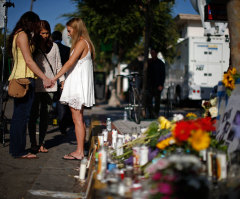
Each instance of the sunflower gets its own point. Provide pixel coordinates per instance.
(229, 81)
(199, 140)
(233, 71)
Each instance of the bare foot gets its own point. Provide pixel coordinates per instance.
(28, 156)
(42, 149)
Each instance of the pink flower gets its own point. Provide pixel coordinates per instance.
(170, 177)
(157, 176)
(165, 188)
(151, 168)
(162, 164)
(153, 191)
(165, 197)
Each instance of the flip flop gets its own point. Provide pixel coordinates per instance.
(28, 156)
(71, 157)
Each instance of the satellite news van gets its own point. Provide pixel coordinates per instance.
(199, 65)
(202, 56)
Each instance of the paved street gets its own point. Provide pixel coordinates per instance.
(50, 176)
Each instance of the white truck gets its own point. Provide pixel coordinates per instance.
(198, 66)
(200, 62)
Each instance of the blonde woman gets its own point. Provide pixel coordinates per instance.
(78, 90)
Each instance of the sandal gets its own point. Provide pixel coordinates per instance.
(28, 156)
(71, 157)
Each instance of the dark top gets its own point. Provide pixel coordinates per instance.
(64, 52)
(155, 73)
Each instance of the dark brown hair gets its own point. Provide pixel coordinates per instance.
(45, 45)
(27, 23)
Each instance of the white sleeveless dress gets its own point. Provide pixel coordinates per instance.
(78, 88)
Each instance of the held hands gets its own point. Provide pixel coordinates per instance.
(48, 83)
(53, 81)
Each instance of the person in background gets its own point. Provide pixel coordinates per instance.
(64, 50)
(78, 91)
(21, 43)
(155, 83)
(46, 54)
(63, 111)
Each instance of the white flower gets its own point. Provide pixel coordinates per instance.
(178, 117)
(172, 141)
(213, 111)
(213, 101)
(203, 101)
(185, 159)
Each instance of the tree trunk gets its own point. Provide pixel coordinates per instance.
(233, 12)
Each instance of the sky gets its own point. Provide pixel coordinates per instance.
(51, 10)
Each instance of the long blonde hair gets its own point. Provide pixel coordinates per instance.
(80, 31)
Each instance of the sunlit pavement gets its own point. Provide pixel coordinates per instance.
(50, 176)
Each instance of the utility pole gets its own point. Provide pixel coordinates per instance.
(31, 7)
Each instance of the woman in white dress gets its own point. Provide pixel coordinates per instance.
(78, 88)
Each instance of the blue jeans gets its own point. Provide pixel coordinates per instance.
(18, 129)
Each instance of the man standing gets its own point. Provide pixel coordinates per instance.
(63, 111)
(155, 83)
(64, 50)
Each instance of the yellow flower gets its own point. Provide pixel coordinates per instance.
(173, 127)
(199, 140)
(225, 78)
(192, 115)
(233, 71)
(164, 123)
(164, 143)
(229, 81)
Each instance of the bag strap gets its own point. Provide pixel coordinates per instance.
(47, 61)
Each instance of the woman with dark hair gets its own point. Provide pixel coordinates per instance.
(78, 91)
(22, 42)
(48, 58)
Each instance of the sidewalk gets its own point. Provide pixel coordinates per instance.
(50, 176)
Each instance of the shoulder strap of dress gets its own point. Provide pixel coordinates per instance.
(87, 43)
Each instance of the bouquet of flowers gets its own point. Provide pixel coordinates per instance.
(210, 107)
(229, 79)
(192, 135)
(177, 177)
